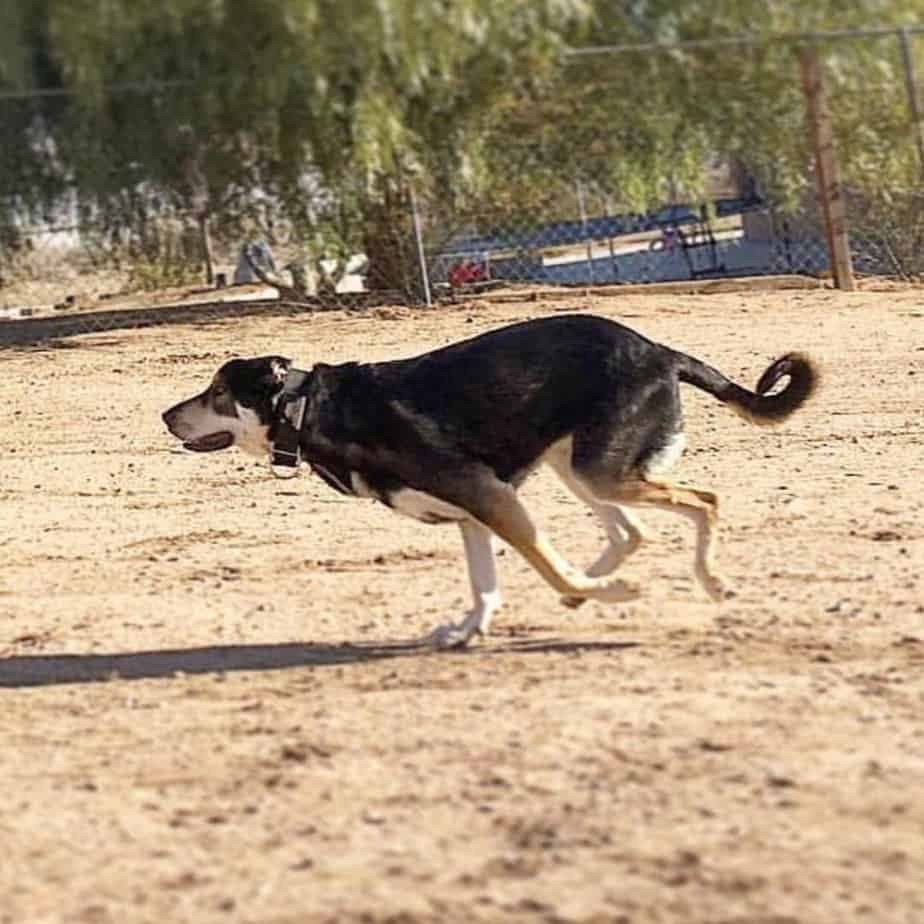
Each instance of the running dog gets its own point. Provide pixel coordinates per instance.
(449, 436)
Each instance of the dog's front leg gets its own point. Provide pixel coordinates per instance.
(482, 573)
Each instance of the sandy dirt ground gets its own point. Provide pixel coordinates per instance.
(206, 713)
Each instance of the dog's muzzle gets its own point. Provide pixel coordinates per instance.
(209, 442)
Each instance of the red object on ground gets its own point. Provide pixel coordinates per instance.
(469, 271)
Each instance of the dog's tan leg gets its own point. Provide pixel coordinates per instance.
(625, 535)
(702, 507)
(501, 510)
(624, 531)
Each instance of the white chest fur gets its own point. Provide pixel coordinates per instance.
(425, 507)
(412, 503)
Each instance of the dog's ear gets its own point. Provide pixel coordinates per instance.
(278, 370)
(271, 374)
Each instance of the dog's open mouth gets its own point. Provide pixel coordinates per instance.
(210, 443)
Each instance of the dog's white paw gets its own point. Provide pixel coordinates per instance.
(450, 636)
(618, 592)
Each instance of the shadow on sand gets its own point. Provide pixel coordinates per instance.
(51, 670)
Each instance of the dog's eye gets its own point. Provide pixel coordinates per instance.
(219, 390)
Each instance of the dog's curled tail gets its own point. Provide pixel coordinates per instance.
(758, 406)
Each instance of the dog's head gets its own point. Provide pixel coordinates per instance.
(237, 408)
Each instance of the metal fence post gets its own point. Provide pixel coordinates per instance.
(582, 211)
(421, 254)
(614, 266)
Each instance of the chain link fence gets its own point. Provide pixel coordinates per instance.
(562, 215)
(595, 244)
(543, 202)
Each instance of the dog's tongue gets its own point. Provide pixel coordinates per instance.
(211, 443)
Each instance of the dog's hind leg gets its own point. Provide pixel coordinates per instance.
(625, 535)
(702, 507)
(486, 598)
(615, 457)
(499, 508)
(624, 531)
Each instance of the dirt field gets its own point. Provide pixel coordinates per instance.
(204, 716)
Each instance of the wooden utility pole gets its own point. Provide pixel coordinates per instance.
(827, 180)
(911, 87)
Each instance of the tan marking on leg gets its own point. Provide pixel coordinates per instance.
(625, 535)
(702, 507)
(503, 513)
(625, 532)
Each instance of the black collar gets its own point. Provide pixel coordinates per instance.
(290, 414)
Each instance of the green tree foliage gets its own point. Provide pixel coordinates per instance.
(635, 129)
(319, 113)
(638, 129)
(643, 124)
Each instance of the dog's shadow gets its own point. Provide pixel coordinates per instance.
(51, 670)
